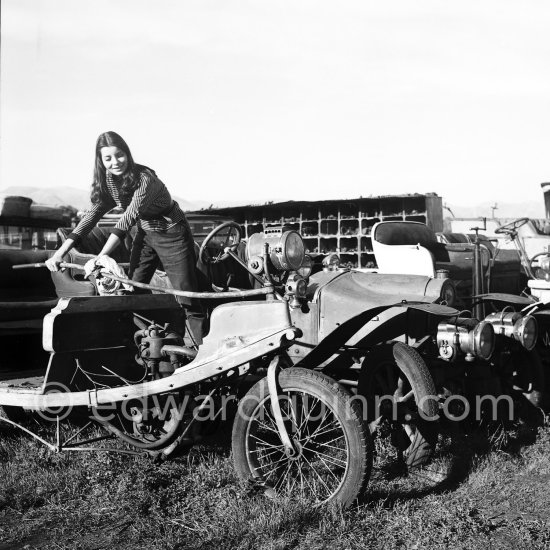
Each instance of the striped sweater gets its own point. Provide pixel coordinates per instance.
(151, 206)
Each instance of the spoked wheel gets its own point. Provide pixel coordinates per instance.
(400, 400)
(151, 425)
(332, 454)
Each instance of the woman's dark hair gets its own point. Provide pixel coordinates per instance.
(130, 178)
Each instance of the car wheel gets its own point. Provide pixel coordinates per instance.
(400, 401)
(333, 449)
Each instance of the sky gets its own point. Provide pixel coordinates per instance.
(234, 100)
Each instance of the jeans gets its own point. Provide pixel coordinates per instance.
(173, 251)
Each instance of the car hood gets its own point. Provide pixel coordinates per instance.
(342, 295)
(362, 290)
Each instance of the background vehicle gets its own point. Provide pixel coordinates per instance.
(533, 234)
(25, 225)
(489, 283)
(412, 247)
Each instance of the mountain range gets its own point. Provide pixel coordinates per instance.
(80, 199)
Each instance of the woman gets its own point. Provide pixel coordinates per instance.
(163, 233)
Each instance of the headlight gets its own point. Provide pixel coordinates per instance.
(297, 286)
(285, 248)
(514, 325)
(544, 263)
(306, 268)
(296, 289)
(482, 340)
(467, 336)
(292, 250)
(527, 331)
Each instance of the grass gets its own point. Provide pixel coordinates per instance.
(474, 494)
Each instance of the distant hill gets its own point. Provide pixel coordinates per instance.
(54, 196)
(79, 198)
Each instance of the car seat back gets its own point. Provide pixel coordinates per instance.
(403, 247)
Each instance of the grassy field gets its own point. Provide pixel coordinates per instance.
(479, 492)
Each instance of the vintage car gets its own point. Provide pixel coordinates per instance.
(317, 364)
(532, 235)
(489, 282)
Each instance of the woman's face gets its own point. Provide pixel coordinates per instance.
(114, 160)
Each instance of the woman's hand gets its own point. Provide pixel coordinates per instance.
(90, 266)
(53, 263)
(98, 262)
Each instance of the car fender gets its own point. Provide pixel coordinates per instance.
(346, 331)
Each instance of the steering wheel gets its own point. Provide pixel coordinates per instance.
(232, 238)
(511, 227)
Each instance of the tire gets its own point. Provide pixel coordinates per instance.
(334, 448)
(397, 370)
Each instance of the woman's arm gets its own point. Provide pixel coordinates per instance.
(90, 219)
(112, 242)
(53, 263)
